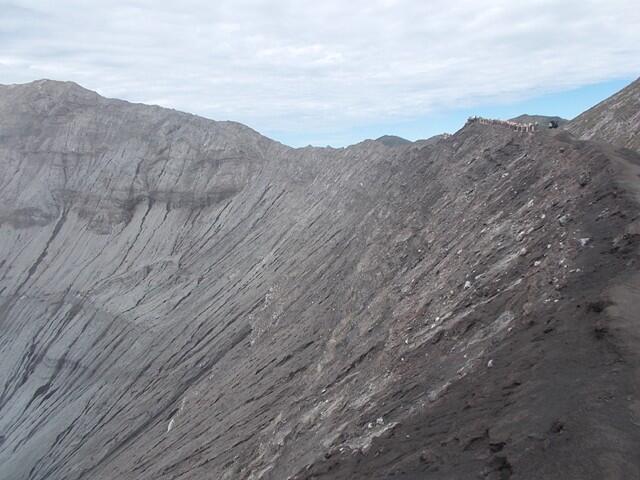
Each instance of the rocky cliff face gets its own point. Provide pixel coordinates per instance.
(183, 298)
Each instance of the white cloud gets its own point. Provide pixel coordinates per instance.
(292, 66)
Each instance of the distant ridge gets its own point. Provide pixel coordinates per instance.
(392, 140)
(541, 119)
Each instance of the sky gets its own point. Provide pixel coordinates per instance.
(331, 72)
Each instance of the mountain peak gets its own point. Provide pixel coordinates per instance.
(393, 141)
(49, 85)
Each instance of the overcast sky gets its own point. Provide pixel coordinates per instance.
(323, 72)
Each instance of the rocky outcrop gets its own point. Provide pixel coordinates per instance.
(183, 298)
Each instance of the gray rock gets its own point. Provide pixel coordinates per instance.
(584, 241)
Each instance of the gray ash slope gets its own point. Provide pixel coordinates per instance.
(186, 299)
(615, 120)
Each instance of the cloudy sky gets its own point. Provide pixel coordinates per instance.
(331, 71)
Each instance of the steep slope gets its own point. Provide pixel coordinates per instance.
(183, 298)
(615, 120)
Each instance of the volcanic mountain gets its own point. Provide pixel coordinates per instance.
(616, 120)
(186, 299)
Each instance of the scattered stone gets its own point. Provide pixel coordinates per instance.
(564, 219)
(527, 308)
(584, 241)
(467, 285)
(557, 426)
(490, 363)
(523, 251)
(380, 421)
(584, 179)
(426, 457)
